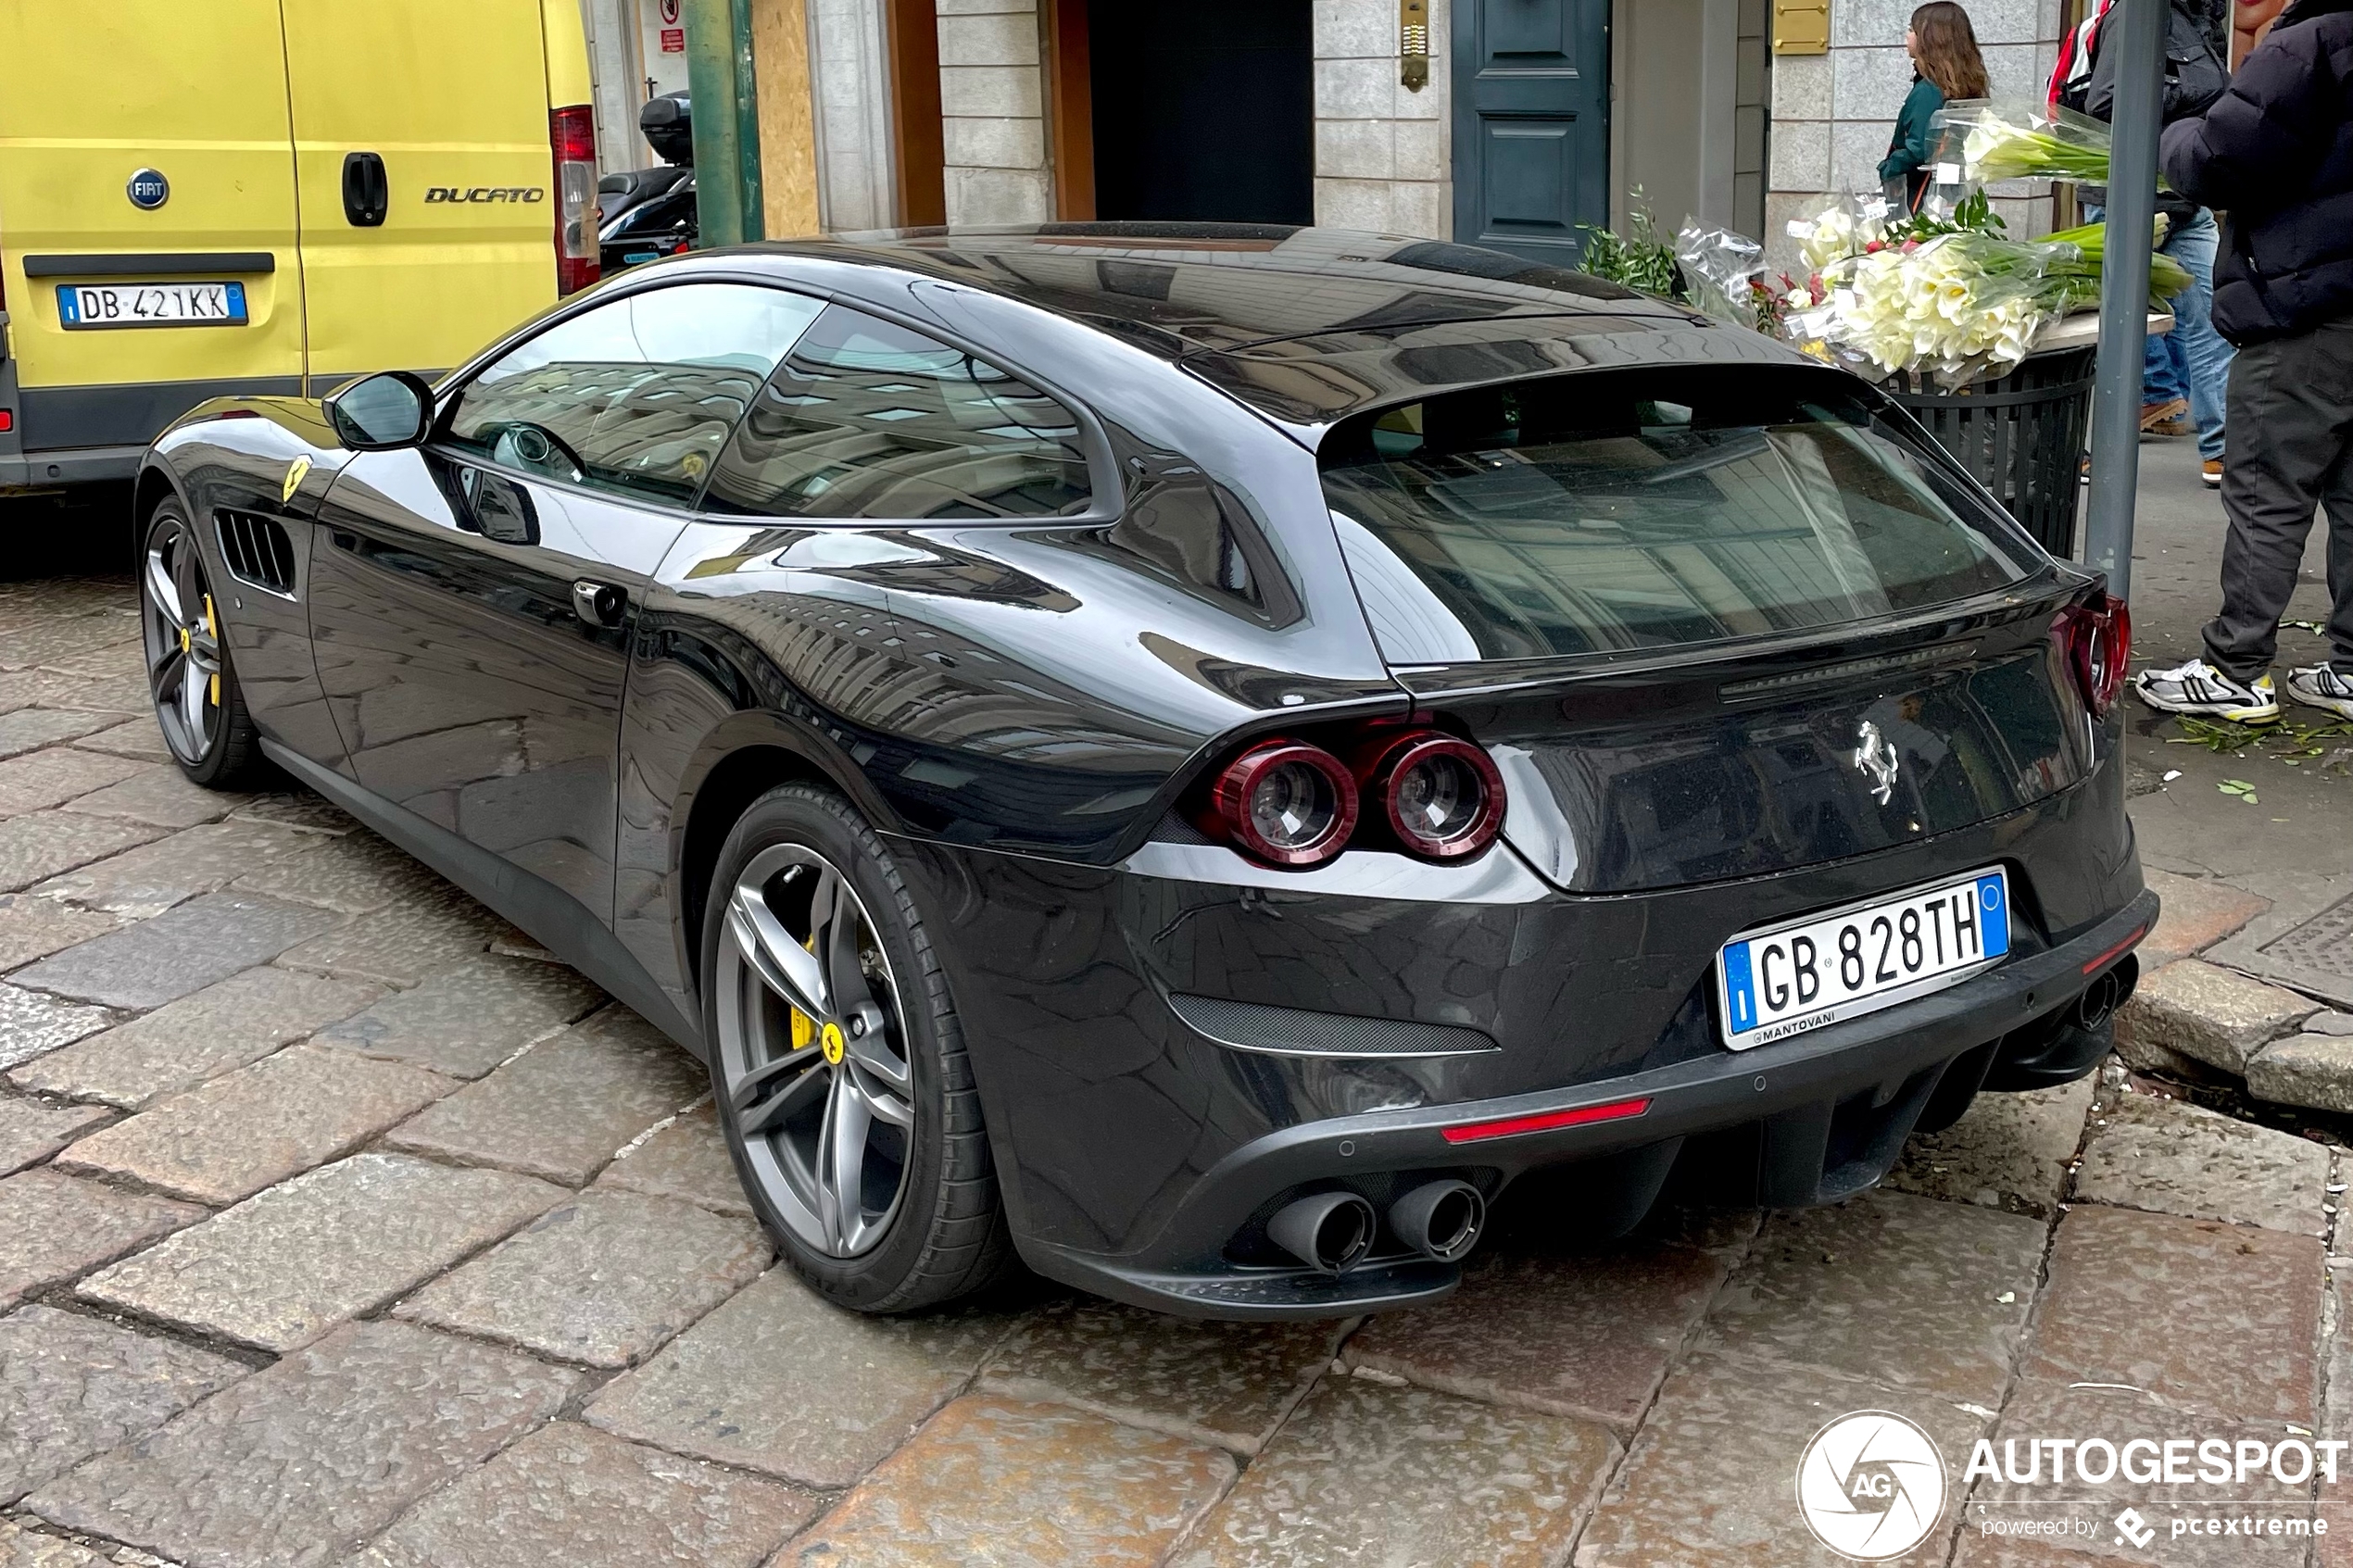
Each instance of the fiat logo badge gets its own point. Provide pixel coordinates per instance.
(148, 190)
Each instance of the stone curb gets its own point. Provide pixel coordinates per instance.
(2201, 1021)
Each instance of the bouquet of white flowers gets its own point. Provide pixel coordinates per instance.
(1954, 306)
(1849, 226)
(2026, 141)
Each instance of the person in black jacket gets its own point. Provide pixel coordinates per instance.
(2277, 152)
(2189, 368)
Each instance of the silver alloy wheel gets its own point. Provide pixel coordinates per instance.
(826, 1111)
(183, 643)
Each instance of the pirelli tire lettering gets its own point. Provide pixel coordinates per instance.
(486, 194)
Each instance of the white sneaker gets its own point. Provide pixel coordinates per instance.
(2197, 687)
(2322, 687)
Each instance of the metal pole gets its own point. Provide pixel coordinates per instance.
(2135, 28)
(719, 74)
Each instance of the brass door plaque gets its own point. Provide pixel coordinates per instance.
(1801, 27)
(1412, 43)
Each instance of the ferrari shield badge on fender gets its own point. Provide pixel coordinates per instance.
(295, 472)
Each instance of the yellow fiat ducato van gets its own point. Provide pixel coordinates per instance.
(271, 196)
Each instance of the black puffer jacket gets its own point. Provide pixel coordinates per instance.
(2277, 153)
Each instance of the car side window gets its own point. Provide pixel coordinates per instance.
(865, 419)
(637, 396)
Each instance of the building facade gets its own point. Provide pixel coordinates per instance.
(636, 48)
(1509, 123)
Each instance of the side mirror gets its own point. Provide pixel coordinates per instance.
(383, 413)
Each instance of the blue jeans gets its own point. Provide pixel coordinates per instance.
(2192, 360)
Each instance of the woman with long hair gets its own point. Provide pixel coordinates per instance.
(1946, 68)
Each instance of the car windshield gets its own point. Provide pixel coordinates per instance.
(1641, 510)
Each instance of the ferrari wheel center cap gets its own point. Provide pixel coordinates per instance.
(831, 1041)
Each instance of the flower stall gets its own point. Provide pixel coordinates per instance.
(1982, 337)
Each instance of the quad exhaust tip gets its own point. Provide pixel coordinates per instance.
(1332, 1231)
(2099, 1000)
(1439, 1220)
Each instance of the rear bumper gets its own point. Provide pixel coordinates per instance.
(85, 434)
(1830, 1110)
(72, 465)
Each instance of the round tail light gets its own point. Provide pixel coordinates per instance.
(1440, 796)
(1286, 802)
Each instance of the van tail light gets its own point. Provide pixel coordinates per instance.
(2097, 637)
(1289, 802)
(573, 134)
(1286, 802)
(1439, 795)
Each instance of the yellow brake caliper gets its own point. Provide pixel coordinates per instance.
(804, 1028)
(213, 629)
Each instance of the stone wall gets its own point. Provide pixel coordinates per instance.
(849, 79)
(1833, 114)
(993, 112)
(1382, 152)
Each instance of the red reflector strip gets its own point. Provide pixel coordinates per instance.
(1617, 1111)
(7, 421)
(2124, 946)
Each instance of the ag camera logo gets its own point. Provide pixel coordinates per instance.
(1871, 1486)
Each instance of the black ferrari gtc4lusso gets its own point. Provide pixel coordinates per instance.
(1193, 756)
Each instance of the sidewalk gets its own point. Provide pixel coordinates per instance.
(339, 1226)
(2257, 881)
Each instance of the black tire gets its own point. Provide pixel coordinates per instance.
(222, 749)
(947, 1235)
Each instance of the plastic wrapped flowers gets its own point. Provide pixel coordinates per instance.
(1952, 307)
(1848, 227)
(2026, 141)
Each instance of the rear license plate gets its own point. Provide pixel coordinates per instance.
(1817, 971)
(151, 305)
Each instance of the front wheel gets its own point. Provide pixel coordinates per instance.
(198, 705)
(840, 1071)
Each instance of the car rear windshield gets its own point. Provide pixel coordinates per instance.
(1639, 509)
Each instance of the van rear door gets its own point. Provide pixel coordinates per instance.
(197, 95)
(421, 151)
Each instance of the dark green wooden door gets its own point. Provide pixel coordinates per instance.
(1531, 125)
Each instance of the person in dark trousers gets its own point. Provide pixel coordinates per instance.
(1946, 67)
(2189, 368)
(2276, 151)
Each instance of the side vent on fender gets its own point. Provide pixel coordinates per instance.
(258, 550)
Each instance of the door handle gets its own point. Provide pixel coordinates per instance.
(342, 540)
(598, 604)
(367, 192)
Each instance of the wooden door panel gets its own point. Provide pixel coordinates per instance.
(1531, 178)
(1531, 125)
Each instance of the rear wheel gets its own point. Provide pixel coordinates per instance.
(198, 705)
(840, 1071)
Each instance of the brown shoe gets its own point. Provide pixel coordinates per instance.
(2212, 473)
(2176, 426)
(2156, 414)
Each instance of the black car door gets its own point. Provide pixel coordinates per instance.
(474, 600)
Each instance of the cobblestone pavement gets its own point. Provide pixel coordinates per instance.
(339, 1225)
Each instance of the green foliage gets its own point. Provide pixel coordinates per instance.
(1640, 260)
(2326, 747)
(1974, 214)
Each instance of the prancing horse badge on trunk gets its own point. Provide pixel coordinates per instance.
(1875, 759)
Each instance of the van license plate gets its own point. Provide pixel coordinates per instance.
(151, 305)
(1817, 971)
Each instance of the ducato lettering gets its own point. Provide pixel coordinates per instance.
(486, 194)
